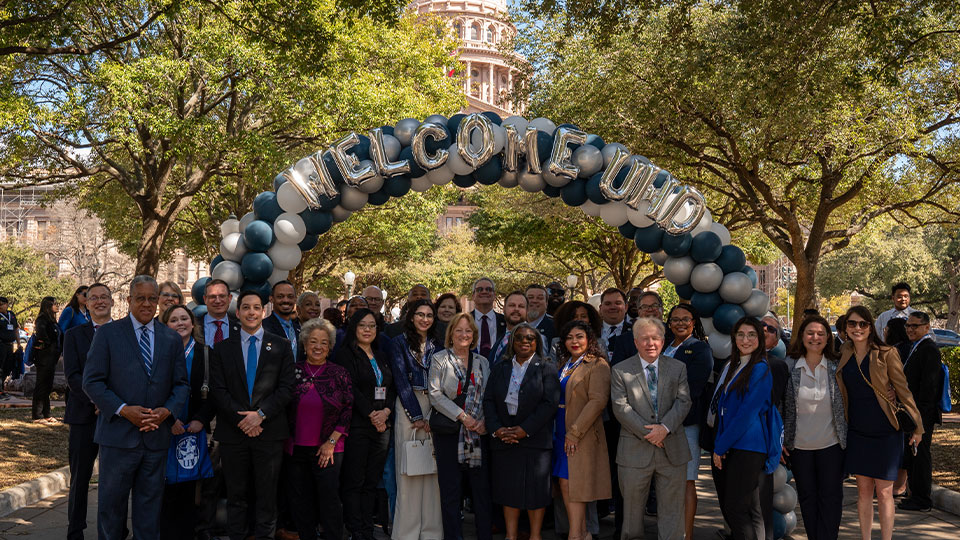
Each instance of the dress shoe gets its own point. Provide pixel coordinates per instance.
(910, 505)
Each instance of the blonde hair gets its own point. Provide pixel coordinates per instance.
(643, 322)
(448, 339)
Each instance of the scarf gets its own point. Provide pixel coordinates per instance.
(468, 442)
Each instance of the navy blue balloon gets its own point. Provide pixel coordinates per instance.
(432, 145)
(685, 291)
(379, 198)
(551, 191)
(751, 273)
(309, 242)
(262, 288)
(544, 146)
(489, 172)
(266, 207)
(387, 130)
(731, 259)
(677, 245)
(593, 190)
(258, 236)
(216, 260)
(453, 123)
(726, 316)
(706, 247)
(398, 186)
(362, 149)
(706, 304)
(327, 203)
(416, 171)
(256, 266)
(332, 168)
(568, 125)
(628, 230)
(199, 311)
(464, 180)
(660, 179)
(278, 181)
(596, 140)
(575, 192)
(649, 239)
(317, 221)
(779, 525)
(199, 289)
(494, 117)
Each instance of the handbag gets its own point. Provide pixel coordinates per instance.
(904, 420)
(418, 458)
(188, 458)
(439, 422)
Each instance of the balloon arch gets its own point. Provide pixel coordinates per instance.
(666, 219)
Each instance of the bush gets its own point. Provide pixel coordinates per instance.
(951, 357)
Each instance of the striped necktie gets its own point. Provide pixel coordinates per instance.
(145, 353)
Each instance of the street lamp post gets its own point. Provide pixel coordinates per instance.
(349, 278)
(786, 273)
(571, 283)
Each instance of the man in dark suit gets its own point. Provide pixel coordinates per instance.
(217, 324)
(135, 375)
(537, 312)
(492, 325)
(648, 304)
(251, 383)
(81, 413)
(282, 321)
(9, 339)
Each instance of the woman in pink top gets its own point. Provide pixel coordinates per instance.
(320, 412)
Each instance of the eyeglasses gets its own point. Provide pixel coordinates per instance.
(749, 335)
(680, 320)
(483, 289)
(649, 306)
(423, 315)
(914, 326)
(145, 299)
(860, 324)
(366, 326)
(170, 295)
(371, 299)
(525, 337)
(98, 298)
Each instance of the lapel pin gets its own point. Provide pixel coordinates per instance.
(268, 346)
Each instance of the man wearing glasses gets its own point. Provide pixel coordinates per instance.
(556, 296)
(647, 304)
(492, 325)
(217, 325)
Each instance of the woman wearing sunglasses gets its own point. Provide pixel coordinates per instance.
(874, 438)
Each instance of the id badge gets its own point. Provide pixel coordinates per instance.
(380, 392)
(513, 398)
(10, 327)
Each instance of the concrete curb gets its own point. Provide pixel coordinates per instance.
(33, 491)
(945, 499)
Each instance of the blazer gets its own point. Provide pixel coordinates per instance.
(698, 358)
(408, 373)
(501, 329)
(115, 375)
(9, 335)
(200, 408)
(925, 378)
(885, 368)
(586, 396)
(633, 407)
(76, 343)
(364, 382)
(536, 407)
(70, 319)
(442, 383)
(622, 345)
(272, 324)
(740, 418)
(547, 328)
(272, 387)
(48, 340)
(790, 416)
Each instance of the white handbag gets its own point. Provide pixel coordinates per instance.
(418, 457)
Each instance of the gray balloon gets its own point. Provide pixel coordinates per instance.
(436, 119)
(659, 257)
(340, 214)
(405, 129)
(784, 501)
(720, 345)
(391, 147)
(554, 180)
(352, 198)
(779, 478)
(544, 124)
(372, 185)
(531, 182)
(757, 304)
(735, 288)
(230, 272)
(707, 323)
(509, 179)
(609, 150)
(706, 277)
(589, 158)
(791, 520)
(678, 269)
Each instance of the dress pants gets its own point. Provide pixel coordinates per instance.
(920, 467)
(417, 515)
(449, 475)
(7, 358)
(212, 490)
(738, 491)
(258, 461)
(45, 369)
(314, 494)
(178, 518)
(764, 497)
(82, 452)
(819, 475)
(364, 456)
(671, 485)
(141, 471)
(611, 429)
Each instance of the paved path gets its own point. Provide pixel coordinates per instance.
(47, 520)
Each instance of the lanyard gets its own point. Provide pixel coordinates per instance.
(568, 369)
(189, 350)
(919, 341)
(376, 371)
(6, 316)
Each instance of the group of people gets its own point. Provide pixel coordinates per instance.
(551, 407)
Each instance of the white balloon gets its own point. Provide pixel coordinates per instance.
(284, 256)
(720, 345)
(706, 277)
(232, 308)
(704, 224)
(277, 275)
(289, 199)
(614, 213)
(544, 124)
(509, 179)
(590, 208)
(499, 139)
(677, 269)
(456, 163)
(372, 185)
(421, 184)
(232, 247)
(191, 304)
(722, 232)
(531, 182)
(230, 272)
(638, 217)
(247, 219)
(685, 210)
(441, 175)
(554, 180)
(352, 198)
(340, 214)
(289, 228)
(518, 122)
(659, 257)
(707, 323)
(229, 226)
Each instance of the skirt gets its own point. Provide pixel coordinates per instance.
(521, 477)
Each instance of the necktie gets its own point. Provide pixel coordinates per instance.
(145, 353)
(95, 328)
(218, 335)
(290, 332)
(251, 365)
(612, 338)
(652, 386)
(484, 336)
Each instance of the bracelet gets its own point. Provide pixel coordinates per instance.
(332, 440)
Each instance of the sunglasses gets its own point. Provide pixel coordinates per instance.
(770, 329)
(483, 289)
(556, 292)
(856, 324)
(525, 337)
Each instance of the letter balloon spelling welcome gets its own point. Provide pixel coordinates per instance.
(666, 219)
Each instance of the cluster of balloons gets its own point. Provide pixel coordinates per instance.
(784, 503)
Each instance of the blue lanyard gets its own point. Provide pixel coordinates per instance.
(568, 369)
(376, 371)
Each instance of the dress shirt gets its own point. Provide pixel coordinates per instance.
(536, 323)
(656, 370)
(815, 429)
(889, 314)
(513, 390)
(611, 331)
(210, 328)
(137, 325)
(245, 343)
(491, 325)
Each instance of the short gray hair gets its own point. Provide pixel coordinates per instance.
(307, 294)
(143, 278)
(645, 322)
(477, 282)
(319, 324)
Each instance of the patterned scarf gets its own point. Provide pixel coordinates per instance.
(468, 443)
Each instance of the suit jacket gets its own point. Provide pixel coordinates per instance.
(272, 324)
(272, 387)
(76, 343)
(633, 407)
(198, 407)
(924, 379)
(547, 328)
(364, 381)
(885, 368)
(47, 341)
(501, 329)
(536, 408)
(114, 374)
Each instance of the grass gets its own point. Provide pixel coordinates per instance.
(28, 450)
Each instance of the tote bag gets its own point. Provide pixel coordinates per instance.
(418, 458)
(188, 458)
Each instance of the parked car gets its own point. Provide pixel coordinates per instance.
(946, 338)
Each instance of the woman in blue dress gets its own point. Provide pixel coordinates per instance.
(874, 440)
(76, 312)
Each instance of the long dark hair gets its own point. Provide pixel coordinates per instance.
(798, 350)
(873, 339)
(593, 348)
(896, 332)
(350, 340)
(697, 325)
(46, 308)
(74, 303)
(757, 356)
(568, 310)
(410, 329)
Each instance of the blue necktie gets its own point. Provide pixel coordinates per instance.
(652, 386)
(145, 353)
(251, 365)
(291, 333)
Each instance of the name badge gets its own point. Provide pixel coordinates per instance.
(380, 392)
(9, 327)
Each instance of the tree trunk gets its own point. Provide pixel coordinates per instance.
(953, 296)
(150, 248)
(806, 293)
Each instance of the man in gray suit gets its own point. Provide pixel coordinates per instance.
(651, 398)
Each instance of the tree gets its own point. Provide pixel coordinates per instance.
(140, 129)
(26, 277)
(806, 120)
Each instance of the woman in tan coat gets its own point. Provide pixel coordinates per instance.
(867, 371)
(579, 445)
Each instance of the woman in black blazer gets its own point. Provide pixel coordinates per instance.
(519, 406)
(365, 451)
(46, 353)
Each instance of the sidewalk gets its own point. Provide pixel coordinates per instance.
(47, 520)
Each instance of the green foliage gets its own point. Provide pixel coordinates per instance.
(26, 277)
(951, 357)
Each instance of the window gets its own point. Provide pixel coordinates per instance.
(459, 221)
(458, 28)
(475, 32)
(449, 222)
(490, 34)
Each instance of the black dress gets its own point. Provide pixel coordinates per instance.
(874, 446)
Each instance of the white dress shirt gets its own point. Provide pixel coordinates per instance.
(890, 314)
(491, 325)
(513, 389)
(815, 429)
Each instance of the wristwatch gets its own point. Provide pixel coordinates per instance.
(262, 415)
(331, 440)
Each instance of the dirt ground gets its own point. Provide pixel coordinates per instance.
(946, 455)
(28, 450)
